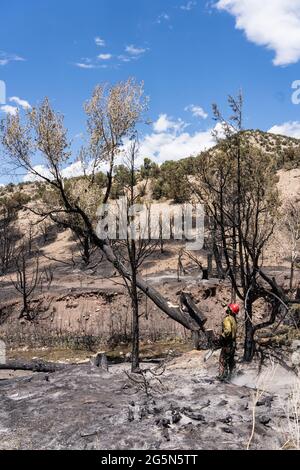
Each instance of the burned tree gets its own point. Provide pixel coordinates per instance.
(237, 184)
(191, 257)
(134, 246)
(27, 277)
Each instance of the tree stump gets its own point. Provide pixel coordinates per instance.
(100, 360)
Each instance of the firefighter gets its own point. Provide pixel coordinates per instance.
(228, 342)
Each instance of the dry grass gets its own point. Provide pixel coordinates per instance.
(293, 417)
(263, 380)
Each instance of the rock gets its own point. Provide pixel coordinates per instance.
(165, 423)
(244, 407)
(143, 412)
(156, 410)
(264, 420)
(223, 403)
(227, 430)
(165, 434)
(176, 417)
(130, 415)
(266, 401)
(227, 420)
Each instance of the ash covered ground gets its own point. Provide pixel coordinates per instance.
(86, 407)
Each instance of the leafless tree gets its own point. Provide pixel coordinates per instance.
(190, 256)
(45, 227)
(27, 277)
(46, 277)
(237, 183)
(134, 249)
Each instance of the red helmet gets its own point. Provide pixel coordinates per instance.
(235, 308)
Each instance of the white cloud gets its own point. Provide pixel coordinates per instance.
(6, 58)
(290, 129)
(166, 123)
(22, 103)
(133, 50)
(104, 56)
(169, 146)
(83, 65)
(170, 140)
(7, 109)
(99, 42)
(274, 24)
(163, 17)
(132, 53)
(41, 170)
(125, 58)
(188, 6)
(75, 169)
(197, 111)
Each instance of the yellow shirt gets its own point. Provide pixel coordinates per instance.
(229, 327)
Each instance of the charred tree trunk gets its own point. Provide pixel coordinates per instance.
(196, 339)
(292, 274)
(86, 251)
(218, 260)
(25, 309)
(249, 345)
(135, 355)
(209, 264)
(205, 275)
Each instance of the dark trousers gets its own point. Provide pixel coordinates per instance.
(226, 361)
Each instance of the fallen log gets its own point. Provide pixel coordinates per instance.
(189, 306)
(34, 366)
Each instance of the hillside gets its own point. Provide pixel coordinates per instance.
(69, 297)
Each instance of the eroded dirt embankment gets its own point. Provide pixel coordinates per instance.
(85, 317)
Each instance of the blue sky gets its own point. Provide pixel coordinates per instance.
(188, 53)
